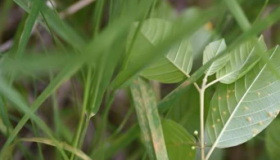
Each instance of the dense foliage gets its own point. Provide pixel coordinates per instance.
(139, 79)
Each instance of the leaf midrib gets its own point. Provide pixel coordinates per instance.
(238, 104)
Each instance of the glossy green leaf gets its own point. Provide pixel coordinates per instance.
(241, 110)
(242, 59)
(178, 141)
(149, 120)
(211, 51)
(272, 140)
(178, 62)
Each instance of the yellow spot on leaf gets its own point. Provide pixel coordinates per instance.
(249, 119)
(218, 120)
(209, 26)
(220, 98)
(255, 132)
(190, 154)
(260, 123)
(269, 114)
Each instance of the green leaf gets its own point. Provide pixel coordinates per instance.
(242, 59)
(149, 120)
(272, 140)
(183, 30)
(256, 29)
(178, 62)
(178, 141)
(211, 51)
(241, 110)
(184, 109)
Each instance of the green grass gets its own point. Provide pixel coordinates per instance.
(71, 87)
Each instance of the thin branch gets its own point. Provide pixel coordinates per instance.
(212, 83)
(201, 93)
(75, 8)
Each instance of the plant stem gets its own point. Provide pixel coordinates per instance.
(201, 93)
(83, 113)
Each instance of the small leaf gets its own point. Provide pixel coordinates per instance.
(241, 110)
(178, 62)
(242, 60)
(272, 140)
(149, 120)
(178, 141)
(211, 51)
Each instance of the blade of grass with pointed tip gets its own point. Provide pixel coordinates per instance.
(148, 118)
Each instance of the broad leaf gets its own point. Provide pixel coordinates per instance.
(178, 141)
(178, 62)
(211, 51)
(272, 140)
(241, 110)
(242, 60)
(149, 120)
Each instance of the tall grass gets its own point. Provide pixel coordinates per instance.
(65, 76)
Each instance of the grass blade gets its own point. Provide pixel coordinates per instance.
(149, 120)
(63, 145)
(30, 22)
